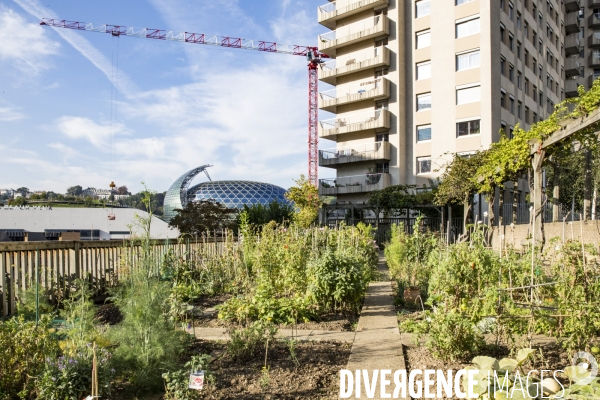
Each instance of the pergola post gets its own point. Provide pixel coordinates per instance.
(555, 193)
(538, 229)
(587, 191)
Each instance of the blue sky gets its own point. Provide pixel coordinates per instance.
(166, 107)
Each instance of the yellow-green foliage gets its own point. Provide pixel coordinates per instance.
(305, 196)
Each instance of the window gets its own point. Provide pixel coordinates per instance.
(502, 66)
(534, 65)
(466, 128)
(534, 118)
(502, 30)
(511, 42)
(511, 73)
(459, 2)
(526, 30)
(534, 93)
(423, 165)
(512, 105)
(423, 133)
(502, 98)
(503, 127)
(526, 58)
(382, 137)
(423, 101)
(382, 168)
(518, 20)
(541, 46)
(526, 114)
(424, 70)
(423, 8)
(469, 94)
(527, 86)
(467, 60)
(423, 39)
(511, 10)
(540, 70)
(541, 98)
(467, 28)
(519, 109)
(519, 50)
(519, 80)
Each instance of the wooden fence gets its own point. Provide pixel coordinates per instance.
(57, 264)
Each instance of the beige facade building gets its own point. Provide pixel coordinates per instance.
(416, 81)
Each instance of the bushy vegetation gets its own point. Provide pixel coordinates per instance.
(277, 272)
(471, 291)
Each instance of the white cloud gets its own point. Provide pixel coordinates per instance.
(24, 42)
(8, 114)
(84, 47)
(84, 128)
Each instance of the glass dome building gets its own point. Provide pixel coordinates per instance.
(232, 194)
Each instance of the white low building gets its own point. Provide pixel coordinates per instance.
(92, 223)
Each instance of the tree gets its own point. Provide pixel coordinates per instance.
(23, 191)
(396, 198)
(75, 191)
(122, 190)
(459, 183)
(259, 214)
(19, 201)
(305, 196)
(205, 215)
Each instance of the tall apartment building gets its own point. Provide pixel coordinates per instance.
(416, 81)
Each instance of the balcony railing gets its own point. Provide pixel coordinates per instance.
(354, 62)
(331, 12)
(571, 5)
(358, 153)
(572, 23)
(593, 3)
(572, 66)
(594, 59)
(593, 20)
(571, 86)
(593, 40)
(354, 184)
(354, 123)
(572, 44)
(376, 89)
(358, 31)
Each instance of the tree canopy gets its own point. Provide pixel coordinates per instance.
(205, 215)
(305, 196)
(259, 214)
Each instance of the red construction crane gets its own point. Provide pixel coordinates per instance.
(312, 54)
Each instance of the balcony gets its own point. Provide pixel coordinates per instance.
(571, 5)
(378, 151)
(593, 21)
(376, 89)
(594, 3)
(572, 23)
(354, 184)
(331, 12)
(594, 59)
(354, 62)
(357, 122)
(572, 67)
(571, 86)
(572, 45)
(594, 40)
(369, 28)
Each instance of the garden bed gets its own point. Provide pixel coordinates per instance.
(313, 376)
(548, 356)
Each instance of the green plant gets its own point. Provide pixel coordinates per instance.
(25, 347)
(265, 380)
(451, 336)
(247, 343)
(70, 377)
(292, 348)
(305, 197)
(177, 382)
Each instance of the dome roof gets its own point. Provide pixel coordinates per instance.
(236, 194)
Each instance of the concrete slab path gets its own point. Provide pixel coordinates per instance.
(377, 344)
(302, 335)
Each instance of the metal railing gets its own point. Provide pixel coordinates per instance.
(357, 153)
(348, 90)
(351, 119)
(328, 8)
(353, 58)
(350, 29)
(347, 181)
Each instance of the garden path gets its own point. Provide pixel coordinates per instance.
(302, 335)
(377, 344)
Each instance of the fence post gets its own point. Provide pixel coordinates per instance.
(3, 284)
(538, 232)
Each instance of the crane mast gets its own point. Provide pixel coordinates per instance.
(312, 54)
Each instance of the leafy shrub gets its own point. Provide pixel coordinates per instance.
(247, 343)
(453, 337)
(177, 382)
(70, 377)
(25, 348)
